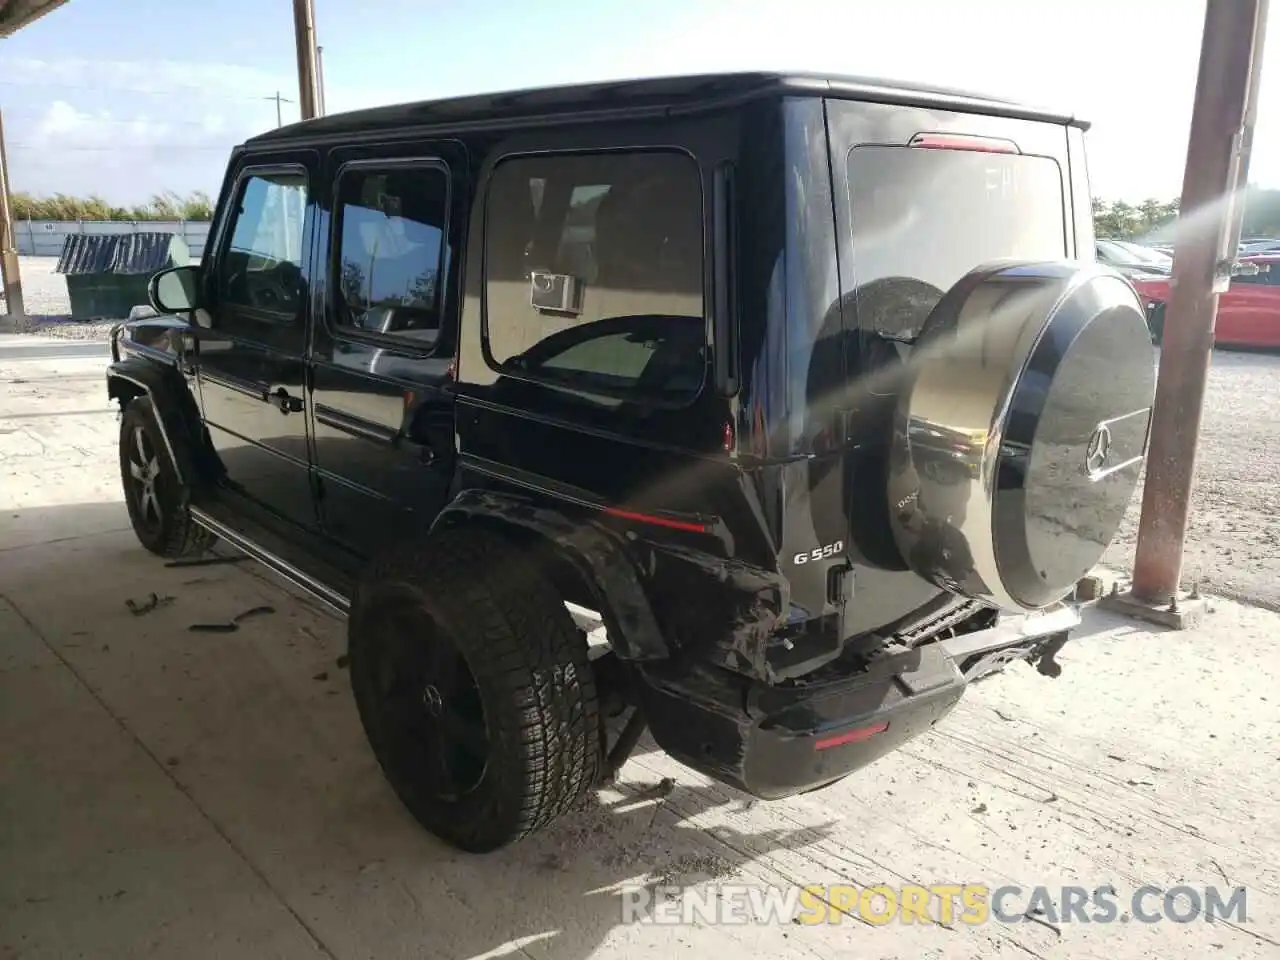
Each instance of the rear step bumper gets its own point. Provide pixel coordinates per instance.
(776, 742)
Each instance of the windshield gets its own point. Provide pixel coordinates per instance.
(922, 219)
(1113, 251)
(1146, 254)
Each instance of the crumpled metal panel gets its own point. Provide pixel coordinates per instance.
(128, 253)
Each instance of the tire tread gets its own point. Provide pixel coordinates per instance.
(181, 535)
(524, 648)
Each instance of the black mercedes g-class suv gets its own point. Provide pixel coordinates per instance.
(807, 387)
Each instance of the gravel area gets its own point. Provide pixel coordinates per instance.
(48, 309)
(1233, 545)
(1234, 542)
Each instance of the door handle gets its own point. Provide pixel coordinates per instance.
(285, 402)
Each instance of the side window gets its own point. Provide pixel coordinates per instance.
(392, 256)
(594, 274)
(262, 266)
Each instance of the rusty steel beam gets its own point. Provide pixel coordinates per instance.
(16, 14)
(304, 29)
(1208, 234)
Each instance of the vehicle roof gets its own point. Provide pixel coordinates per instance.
(658, 95)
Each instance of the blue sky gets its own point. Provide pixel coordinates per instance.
(125, 98)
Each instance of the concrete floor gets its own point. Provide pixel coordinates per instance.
(172, 793)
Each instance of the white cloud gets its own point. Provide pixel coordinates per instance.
(1127, 65)
(160, 77)
(125, 130)
(124, 157)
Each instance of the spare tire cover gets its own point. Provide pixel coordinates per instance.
(1020, 434)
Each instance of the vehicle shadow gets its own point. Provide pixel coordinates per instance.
(255, 727)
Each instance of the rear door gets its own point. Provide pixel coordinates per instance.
(922, 197)
(252, 336)
(384, 338)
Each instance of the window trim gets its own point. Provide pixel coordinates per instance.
(333, 278)
(227, 230)
(708, 298)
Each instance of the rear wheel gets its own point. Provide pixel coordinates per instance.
(474, 688)
(156, 498)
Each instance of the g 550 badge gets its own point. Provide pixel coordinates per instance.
(820, 553)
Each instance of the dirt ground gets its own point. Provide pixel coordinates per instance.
(44, 295)
(1234, 541)
(172, 793)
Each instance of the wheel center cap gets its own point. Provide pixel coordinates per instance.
(432, 700)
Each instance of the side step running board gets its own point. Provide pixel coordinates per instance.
(322, 592)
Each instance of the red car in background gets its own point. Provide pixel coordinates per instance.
(1248, 312)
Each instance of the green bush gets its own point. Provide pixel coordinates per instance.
(1154, 220)
(162, 206)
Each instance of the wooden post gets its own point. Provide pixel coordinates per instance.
(1221, 131)
(304, 28)
(10, 276)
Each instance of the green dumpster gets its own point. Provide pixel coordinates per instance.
(107, 274)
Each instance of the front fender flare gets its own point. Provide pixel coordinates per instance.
(175, 408)
(596, 553)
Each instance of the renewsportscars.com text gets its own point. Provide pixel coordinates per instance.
(968, 904)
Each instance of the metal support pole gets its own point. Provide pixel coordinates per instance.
(304, 28)
(10, 277)
(320, 79)
(1221, 131)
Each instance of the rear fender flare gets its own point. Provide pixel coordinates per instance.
(594, 553)
(176, 413)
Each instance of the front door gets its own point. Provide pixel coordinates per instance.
(252, 336)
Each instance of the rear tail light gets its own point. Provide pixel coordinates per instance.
(656, 521)
(856, 735)
(957, 141)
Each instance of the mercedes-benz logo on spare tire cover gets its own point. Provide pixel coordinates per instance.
(1099, 448)
(1023, 370)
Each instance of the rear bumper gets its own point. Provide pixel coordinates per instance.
(775, 742)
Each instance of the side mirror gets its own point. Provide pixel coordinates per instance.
(175, 290)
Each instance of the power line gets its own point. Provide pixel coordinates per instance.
(78, 148)
(186, 91)
(158, 121)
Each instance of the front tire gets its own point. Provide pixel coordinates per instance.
(474, 689)
(156, 498)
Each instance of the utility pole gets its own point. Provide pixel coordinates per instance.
(10, 277)
(279, 100)
(304, 28)
(1221, 133)
(320, 78)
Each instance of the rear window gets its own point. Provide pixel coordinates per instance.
(594, 275)
(924, 218)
